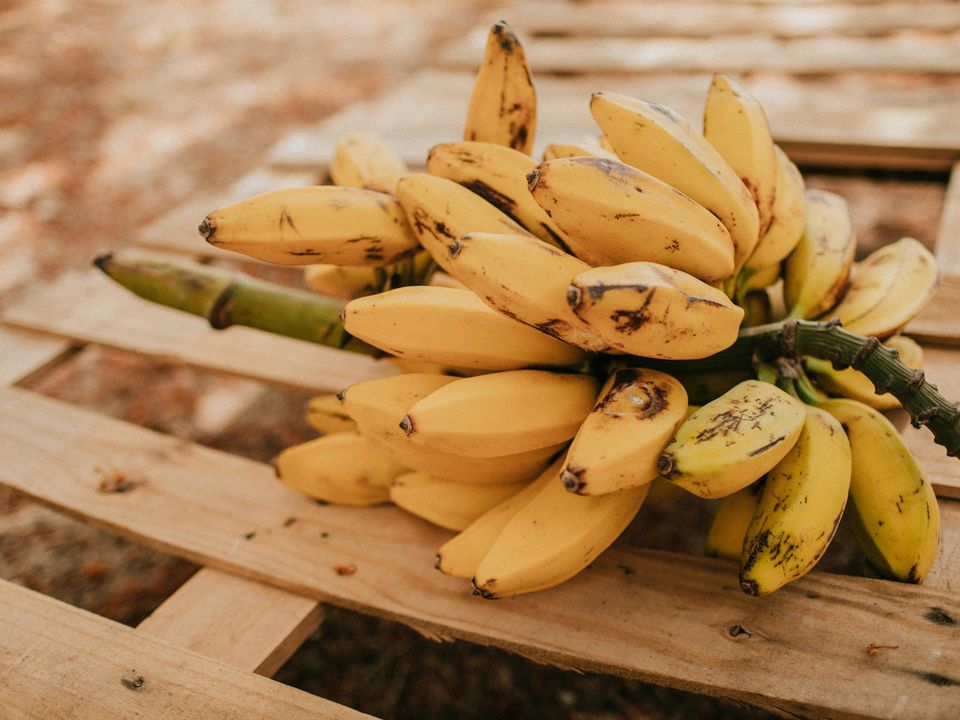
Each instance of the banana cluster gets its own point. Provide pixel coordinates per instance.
(542, 302)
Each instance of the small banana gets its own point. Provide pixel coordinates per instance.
(339, 281)
(888, 289)
(789, 217)
(612, 213)
(657, 141)
(757, 309)
(343, 468)
(619, 443)
(441, 279)
(651, 310)
(449, 504)
(758, 278)
(503, 103)
(502, 413)
(364, 160)
(799, 508)
(558, 151)
(326, 415)
(453, 328)
(733, 440)
(319, 224)
(816, 272)
(892, 508)
(730, 522)
(378, 405)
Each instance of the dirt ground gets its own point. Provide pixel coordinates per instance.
(112, 113)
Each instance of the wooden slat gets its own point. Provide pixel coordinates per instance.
(88, 306)
(23, 353)
(232, 514)
(939, 322)
(242, 622)
(59, 662)
(948, 236)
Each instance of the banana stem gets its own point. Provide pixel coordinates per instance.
(228, 298)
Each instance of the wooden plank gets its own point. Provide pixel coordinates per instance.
(948, 237)
(939, 322)
(942, 573)
(24, 353)
(242, 622)
(57, 662)
(231, 513)
(88, 306)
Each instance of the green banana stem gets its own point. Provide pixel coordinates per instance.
(228, 298)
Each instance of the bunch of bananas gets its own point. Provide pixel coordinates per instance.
(546, 311)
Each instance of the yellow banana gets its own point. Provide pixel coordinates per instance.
(757, 309)
(651, 310)
(735, 124)
(451, 327)
(447, 503)
(503, 103)
(799, 508)
(892, 508)
(502, 413)
(888, 289)
(341, 282)
(612, 213)
(816, 272)
(326, 415)
(619, 443)
(441, 279)
(364, 160)
(730, 522)
(758, 278)
(319, 224)
(378, 405)
(733, 440)
(343, 468)
(655, 140)
(789, 217)
(558, 151)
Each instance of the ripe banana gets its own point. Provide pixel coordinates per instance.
(735, 124)
(526, 279)
(619, 443)
(339, 281)
(816, 272)
(319, 224)
(734, 440)
(449, 504)
(378, 405)
(503, 103)
(892, 508)
(888, 289)
(788, 220)
(799, 508)
(651, 310)
(657, 141)
(441, 279)
(502, 413)
(757, 309)
(343, 468)
(730, 522)
(364, 160)
(557, 151)
(453, 328)
(326, 415)
(613, 213)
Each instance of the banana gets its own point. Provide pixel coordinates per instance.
(502, 413)
(441, 279)
(619, 443)
(733, 440)
(730, 522)
(888, 289)
(758, 278)
(326, 415)
(498, 174)
(503, 102)
(892, 508)
(557, 151)
(757, 309)
(440, 211)
(449, 504)
(319, 224)
(816, 272)
(657, 141)
(341, 282)
(364, 160)
(453, 328)
(378, 405)
(651, 310)
(552, 538)
(799, 508)
(612, 213)
(525, 279)
(788, 220)
(343, 468)
(735, 125)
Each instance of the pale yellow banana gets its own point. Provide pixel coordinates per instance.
(345, 282)
(799, 508)
(651, 310)
(449, 504)
(325, 414)
(758, 278)
(451, 327)
(612, 213)
(558, 151)
(655, 140)
(503, 103)
(892, 508)
(730, 522)
(365, 160)
(619, 443)
(378, 405)
(319, 224)
(789, 217)
(442, 279)
(733, 440)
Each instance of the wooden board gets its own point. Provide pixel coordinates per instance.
(60, 662)
(948, 238)
(671, 620)
(23, 353)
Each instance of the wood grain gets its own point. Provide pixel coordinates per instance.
(24, 353)
(939, 322)
(57, 662)
(671, 620)
(947, 248)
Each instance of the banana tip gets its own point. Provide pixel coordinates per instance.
(455, 247)
(574, 297)
(533, 177)
(481, 590)
(665, 464)
(750, 587)
(208, 229)
(341, 394)
(571, 480)
(407, 424)
(103, 261)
